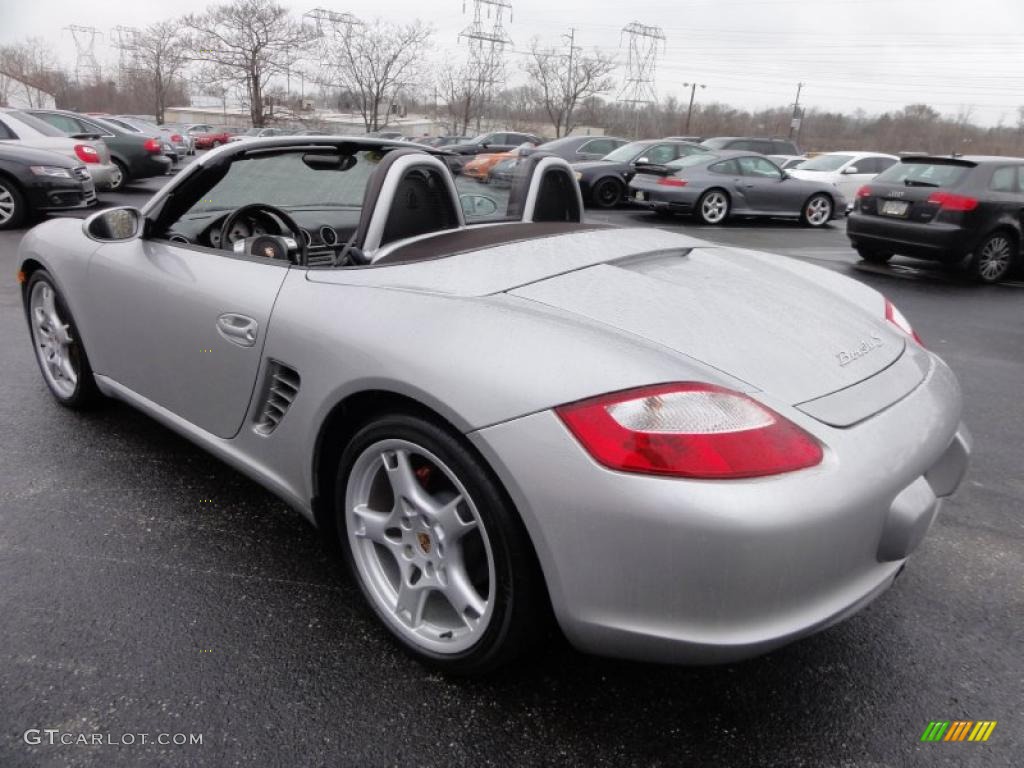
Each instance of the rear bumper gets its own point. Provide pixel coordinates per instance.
(152, 165)
(678, 200)
(701, 572)
(929, 240)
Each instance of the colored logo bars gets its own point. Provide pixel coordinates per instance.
(958, 730)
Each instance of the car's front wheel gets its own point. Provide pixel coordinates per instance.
(607, 193)
(817, 211)
(437, 549)
(13, 209)
(58, 345)
(993, 258)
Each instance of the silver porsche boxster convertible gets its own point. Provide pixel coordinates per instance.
(504, 415)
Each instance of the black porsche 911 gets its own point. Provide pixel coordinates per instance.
(603, 182)
(958, 210)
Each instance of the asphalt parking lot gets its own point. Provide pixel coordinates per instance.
(147, 588)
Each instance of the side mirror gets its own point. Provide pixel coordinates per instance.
(850, 169)
(114, 224)
(642, 161)
(477, 205)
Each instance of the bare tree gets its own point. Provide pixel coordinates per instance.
(246, 42)
(160, 56)
(464, 88)
(563, 80)
(29, 69)
(374, 61)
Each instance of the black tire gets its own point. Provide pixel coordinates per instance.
(872, 256)
(607, 193)
(15, 208)
(121, 182)
(85, 393)
(716, 214)
(994, 258)
(520, 603)
(817, 211)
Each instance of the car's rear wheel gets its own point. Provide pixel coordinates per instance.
(13, 208)
(436, 548)
(817, 211)
(872, 256)
(993, 258)
(607, 193)
(713, 206)
(120, 176)
(58, 345)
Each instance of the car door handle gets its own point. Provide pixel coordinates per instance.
(238, 329)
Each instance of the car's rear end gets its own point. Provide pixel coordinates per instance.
(669, 188)
(925, 207)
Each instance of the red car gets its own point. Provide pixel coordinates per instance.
(208, 136)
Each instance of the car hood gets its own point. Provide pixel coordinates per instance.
(784, 327)
(743, 316)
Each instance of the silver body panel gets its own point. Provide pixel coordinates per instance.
(492, 340)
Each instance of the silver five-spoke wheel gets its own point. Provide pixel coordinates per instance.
(714, 207)
(420, 546)
(55, 346)
(818, 211)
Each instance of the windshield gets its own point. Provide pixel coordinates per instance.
(626, 152)
(825, 163)
(926, 174)
(33, 122)
(691, 160)
(286, 181)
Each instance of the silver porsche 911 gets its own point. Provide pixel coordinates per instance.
(679, 451)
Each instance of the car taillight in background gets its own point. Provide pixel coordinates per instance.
(864, 191)
(689, 429)
(86, 153)
(176, 138)
(950, 202)
(671, 181)
(151, 145)
(896, 317)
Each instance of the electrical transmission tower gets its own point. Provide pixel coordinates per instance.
(487, 46)
(86, 64)
(126, 41)
(644, 44)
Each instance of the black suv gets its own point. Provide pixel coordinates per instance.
(753, 144)
(950, 209)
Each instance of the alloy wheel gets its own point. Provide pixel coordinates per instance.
(8, 205)
(994, 258)
(713, 207)
(56, 349)
(818, 211)
(420, 546)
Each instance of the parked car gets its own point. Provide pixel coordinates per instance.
(504, 173)
(604, 182)
(35, 181)
(447, 141)
(761, 145)
(134, 125)
(848, 171)
(179, 136)
(958, 210)
(207, 136)
(27, 130)
(175, 136)
(502, 141)
(716, 185)
(691, 139)
(259, 133)
(480, 167)
(786, 162)
(754, 445)
(135, 155)
(577, 149)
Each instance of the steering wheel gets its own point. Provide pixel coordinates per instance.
(266, 208)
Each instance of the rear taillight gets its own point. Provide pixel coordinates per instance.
(896, 317)
(86, 153)
(151, 145)
(176, 138)
(864, 191)
(671, 181)
(689, 429)
(950, 202)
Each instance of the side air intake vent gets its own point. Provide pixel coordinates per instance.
(279, 392)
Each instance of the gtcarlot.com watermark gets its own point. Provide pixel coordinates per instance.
(57, 737)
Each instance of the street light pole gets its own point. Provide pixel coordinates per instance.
(689, 112)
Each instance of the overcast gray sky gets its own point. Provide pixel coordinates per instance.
(874, 54)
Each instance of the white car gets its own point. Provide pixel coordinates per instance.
(787, 162)
(848, 171)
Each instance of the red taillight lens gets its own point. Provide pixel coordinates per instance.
(671, 181)
(689, 429)
(176, 138)
(86, 153)
(896, 317)
(864, 191)
(151, 145)
(951, 202)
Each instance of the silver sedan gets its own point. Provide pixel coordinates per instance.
(716, 185)
(679, 451)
